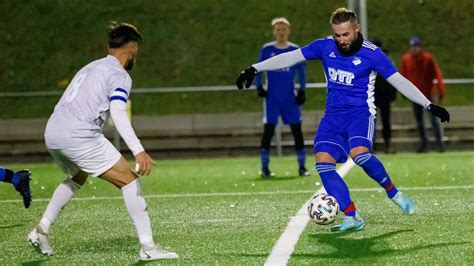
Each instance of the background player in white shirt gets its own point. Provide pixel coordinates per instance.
(74, 138)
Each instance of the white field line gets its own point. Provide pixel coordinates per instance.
(261, 193)
(284, 247)
(228, 194)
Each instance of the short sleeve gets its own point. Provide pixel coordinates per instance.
(313, 50)
(382, 64)
(120, 87)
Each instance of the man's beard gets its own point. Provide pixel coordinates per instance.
(353, 47)
(129, 65)
(345, 49)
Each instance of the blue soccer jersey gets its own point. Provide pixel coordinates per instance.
(280, 83)
(350, 79)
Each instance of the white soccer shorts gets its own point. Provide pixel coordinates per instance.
(95, 158)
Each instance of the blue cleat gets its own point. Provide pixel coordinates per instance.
(405, 203)
(349, 224)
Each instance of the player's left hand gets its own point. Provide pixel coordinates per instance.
(144, 163)
(247, 76)
(300, 97)
(439, 111)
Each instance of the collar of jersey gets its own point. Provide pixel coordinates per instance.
(114, 59)
(355, 47)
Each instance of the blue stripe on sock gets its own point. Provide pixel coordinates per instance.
(16, 179)
(362, 158)
(334, 184)
(375, 169)
(9, 176)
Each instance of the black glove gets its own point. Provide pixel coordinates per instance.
(300, 97)
(439, 111)
(246, 76)
(261, 92)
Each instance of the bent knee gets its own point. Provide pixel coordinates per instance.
(79, 179)
(324, 157)
(120, 178)
(72, 185)
(358, 150)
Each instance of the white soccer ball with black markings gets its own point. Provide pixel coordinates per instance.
(323, 209)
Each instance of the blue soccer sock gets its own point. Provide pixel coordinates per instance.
(336, 187)
(375, 169)
(265, 156)
(8, 176)
(301, 156)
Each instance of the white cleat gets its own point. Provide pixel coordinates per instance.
(39, 241)
(156, 253)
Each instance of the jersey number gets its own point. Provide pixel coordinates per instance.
(73, 88)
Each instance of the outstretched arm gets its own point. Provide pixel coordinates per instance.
(280, 61)
(405, 87)
(276, 62)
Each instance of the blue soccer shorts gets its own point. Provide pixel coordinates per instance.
(337, 135)
(289, 111)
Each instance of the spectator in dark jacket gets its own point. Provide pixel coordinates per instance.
(385, 94)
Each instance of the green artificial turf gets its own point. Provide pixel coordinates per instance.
(219, 211)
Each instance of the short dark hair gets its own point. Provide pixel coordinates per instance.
(122, 33)
(342, 15)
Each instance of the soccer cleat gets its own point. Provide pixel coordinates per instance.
(405, 203)
(266, 173)
(303, 171)
(156, 253)
(24, 186)
(39, 240)
(350, 223)
(421, 149)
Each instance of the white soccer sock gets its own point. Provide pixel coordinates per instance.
(137, 210)
(60, 198)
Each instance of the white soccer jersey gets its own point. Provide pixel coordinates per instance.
(82, 110)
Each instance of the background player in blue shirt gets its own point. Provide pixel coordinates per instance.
(280, 99)
(347, 128)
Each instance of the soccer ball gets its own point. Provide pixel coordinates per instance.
(323, 209)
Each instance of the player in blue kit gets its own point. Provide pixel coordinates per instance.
(20, 180)
(280, 99)
(347, 128)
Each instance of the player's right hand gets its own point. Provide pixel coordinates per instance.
(247, 76)
(300, 97)
(261, 92)
(439, 111)
(144, 162)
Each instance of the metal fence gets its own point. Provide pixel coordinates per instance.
(278, 130)
(318, 85)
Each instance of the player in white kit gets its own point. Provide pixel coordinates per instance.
(75, 140)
